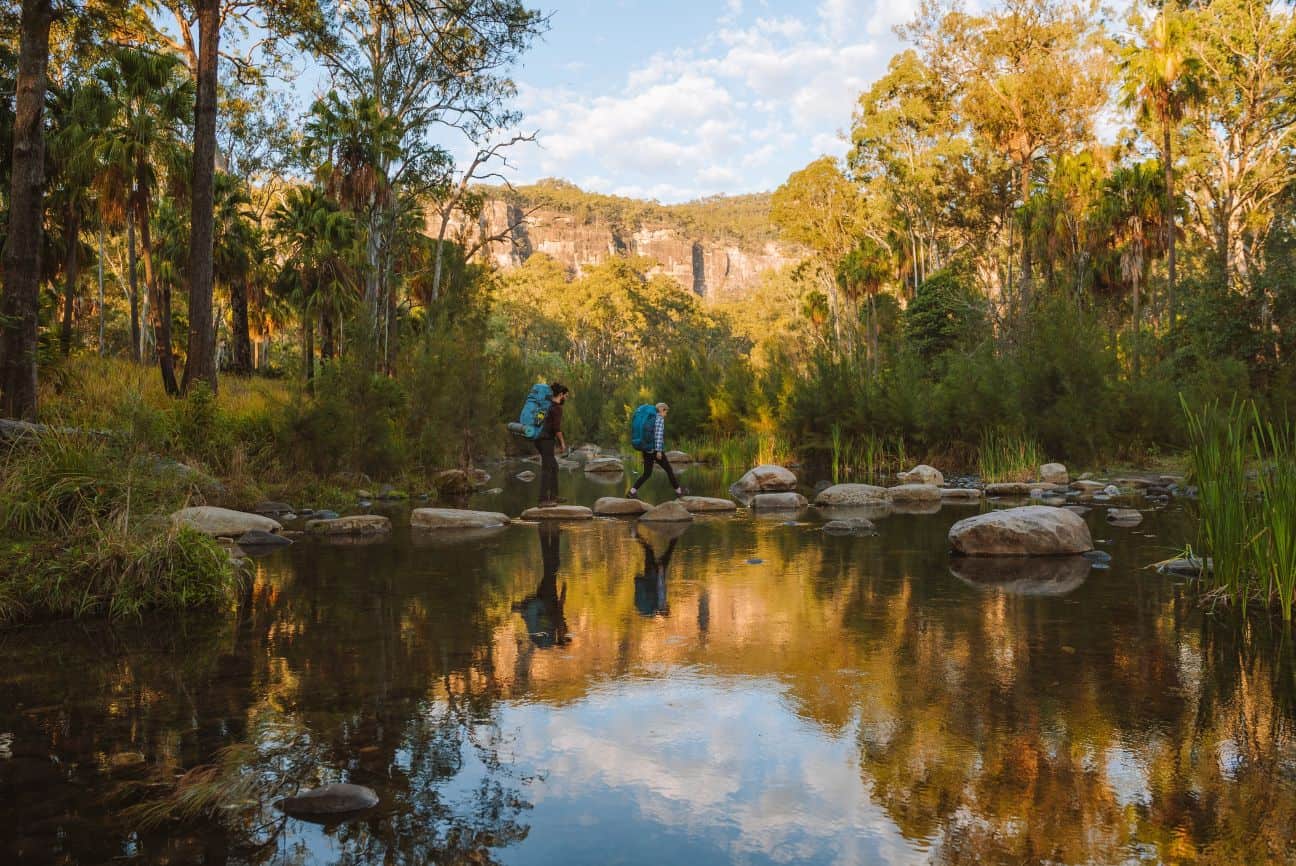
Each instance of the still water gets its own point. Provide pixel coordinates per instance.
(743, 690)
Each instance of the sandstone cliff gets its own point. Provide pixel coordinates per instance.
(712, 248)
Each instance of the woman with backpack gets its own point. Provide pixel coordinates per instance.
(648, 434)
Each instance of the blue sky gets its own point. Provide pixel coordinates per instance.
(676, 99)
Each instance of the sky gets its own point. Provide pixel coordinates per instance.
(677, 99)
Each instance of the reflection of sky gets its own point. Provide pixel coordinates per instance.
(694, 769)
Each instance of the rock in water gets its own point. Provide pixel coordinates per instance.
(914, 493)
(923, 474)
(336, 799)
(1054, 473)
(960, 494)
(701, 504)
(1008, 488)
(1084, 485)
(789, 501)
(525, 475)
(678, 458)
(605, 464)
(259, 538)
(848, 526)
(1125, 517)
(453, 482)
(1032, 530)
(558, 512)
(217, 522)
(272, 509)
(851, 494)
(357, 524)
(456, 518)
(668, 512)
(765, 479)
(616, 506)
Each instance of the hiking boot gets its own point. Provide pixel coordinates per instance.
(633, 494)
(681, 492)
(547, 503)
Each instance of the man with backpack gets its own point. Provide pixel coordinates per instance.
(549, 434)
(648, 434)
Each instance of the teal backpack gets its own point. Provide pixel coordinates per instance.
(531, 420)
(641, 426)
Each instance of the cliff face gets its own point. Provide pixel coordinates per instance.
(713, 267)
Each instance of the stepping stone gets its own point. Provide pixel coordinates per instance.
(668, 512)
(914, 493)
(456, 518)
(851, 494)
(615, 506)
(788, 501)
(765, 479)
(707, 504)
(1033, 530)
(358, 524)
(558, 512)
(923, 474)
(338, 799)
(260, 538)
(226, 522)
(960, 494)
(1009, 488)
(604, 464)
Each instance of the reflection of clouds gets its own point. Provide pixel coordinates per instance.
(727, 762)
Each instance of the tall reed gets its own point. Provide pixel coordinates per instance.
(1008, 456)
(1274, 545)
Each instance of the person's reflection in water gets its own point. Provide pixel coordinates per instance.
(542, 611)
(650, 586)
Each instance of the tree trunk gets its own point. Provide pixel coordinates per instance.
(308, 348)
(159, 302)
(20, 303)
(1169, 217)
(101, 290)
(137, 341)
(1137, 329)
(239, 316)
(326, 337)
(72, 267)
(1027, 254)
(200, 364)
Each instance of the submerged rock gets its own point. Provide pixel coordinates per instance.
(616, 506)
(707, 504)
(260, 538)
(849, 526)
(788, 501)
(456, 518)
(668, 512)
(765, 479)
(923, 474)
(336, 799)
(844, 495)
(1191, 566)
(558, 512)
(210, 520)
(357, 524)
(1126, 517)
(1032, 530)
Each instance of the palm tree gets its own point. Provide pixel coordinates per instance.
(862, 274)
(1160, 79)
(151, 97)
(237, 246)
(1132, 211)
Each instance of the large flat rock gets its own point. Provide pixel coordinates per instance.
(558, 512)
(845, 495)
(356, 524)
(223, 522)
(766, 478)
(599, 465)
(668, 512)
(914, 493)
(786, 501)
(615, 506)
(707, 504)
(960, 494)
(1032, 530)
(923, 474)
(456, 518)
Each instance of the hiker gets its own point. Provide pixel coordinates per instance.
(551, 433)
(651, 441)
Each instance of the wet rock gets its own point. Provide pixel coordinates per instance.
(765, 479)
(678, 458)
(1085, 486)
(707, 504)
(616, 506)
(358, 524)
(260, 538)
(605, 464)
(214, 521)
(969, 495)
(337, 799)
(849, 526)
(453, 482)
(1124, 517)
(525, 476)
(1111, 490)
(668, 512)
(922, 474)
(325, 514)
(1023, 575)
(1032, 530)
(787, 501)
(494, 491)
(1099, 556)
(1054, 473)
(914, 493)
(1136, 482)
(1008, 488)
(479, 477)
(456, 518)
(839, 495)
(1192, 566)
(558, 512)
(272, 509)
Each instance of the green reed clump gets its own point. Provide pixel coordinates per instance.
(1008, 456)
(1274, 544)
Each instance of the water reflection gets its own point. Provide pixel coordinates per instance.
(1022, 575)
(847, 701)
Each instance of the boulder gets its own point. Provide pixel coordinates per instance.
(210, 520)
(1086, 486)
(1125, 517)
(337, 799)
(922, 474)
(914, 493)
(839, 495)
(454, 482)
(356, 524)
(848, 526)
(558, 512)
(616, 506)
(765, 479)
(668, 512)
(787, 501)
(456, 518)
(1022, 575)
(272, 509)
(1032, 530)
(1054, 473)
(526, 475)
(605, 464)
(969, 495)
(707, 504)
(1009, 488)
(678, 458)
(1191, 566)
(261, 538)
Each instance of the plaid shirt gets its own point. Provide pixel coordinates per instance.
(659, 434)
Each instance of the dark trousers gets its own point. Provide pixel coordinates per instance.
(649, 458)
(548, 470)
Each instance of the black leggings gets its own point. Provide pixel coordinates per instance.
(548, 470)
(649, 458)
